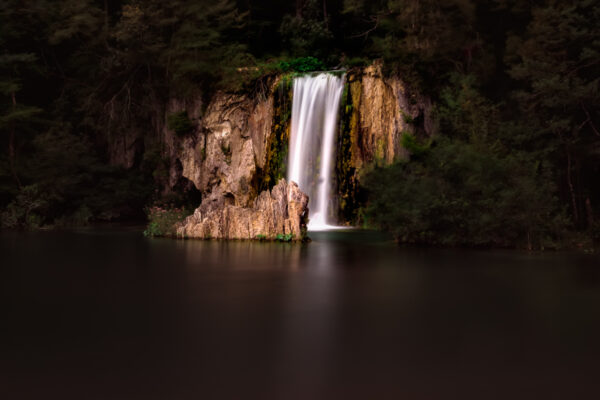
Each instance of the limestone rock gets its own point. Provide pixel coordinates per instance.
(385, 108)
(222, 156)
(380, 121)
(283, 210)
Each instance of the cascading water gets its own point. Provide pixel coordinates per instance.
(315, 106)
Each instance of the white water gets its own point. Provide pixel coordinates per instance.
(315, 109)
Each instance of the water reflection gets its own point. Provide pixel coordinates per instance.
(110, 314)
(242, 255)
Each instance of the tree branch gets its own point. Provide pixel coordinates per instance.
(366, 33)
(589, 119)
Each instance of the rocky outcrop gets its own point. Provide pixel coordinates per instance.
(222, 155)
(280, 211)
(239, 145)
(377, 111)
(385, 110)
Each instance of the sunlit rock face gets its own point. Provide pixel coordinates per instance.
(385, 109)
(281, 211)
(222, 155)
(380, 117)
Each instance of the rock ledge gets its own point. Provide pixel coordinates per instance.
(281, 211)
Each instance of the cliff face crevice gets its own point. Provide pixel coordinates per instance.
(276, 151)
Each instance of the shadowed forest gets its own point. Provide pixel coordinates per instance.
(514, 162)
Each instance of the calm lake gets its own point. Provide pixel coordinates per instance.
(105, 313)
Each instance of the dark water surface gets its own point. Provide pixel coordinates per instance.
(109, 314)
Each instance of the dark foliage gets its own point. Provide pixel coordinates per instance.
(180, 123)
(516, 85)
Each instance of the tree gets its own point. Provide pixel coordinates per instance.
(426, 39)
(206, 44)
(558, 63)
(472, 186)
(306, 33)
(15, 64)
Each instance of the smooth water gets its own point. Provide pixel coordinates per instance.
(109, 314)
(315, 108)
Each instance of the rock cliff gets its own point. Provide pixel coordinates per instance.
(238, 148)
(281, 211)
(223, 153)
(377, 110)
(384, 110)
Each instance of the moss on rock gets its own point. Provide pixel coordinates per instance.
(348, 157)
(277, 143)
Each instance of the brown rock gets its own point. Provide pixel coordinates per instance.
(281, 211)
(221, 157)
(380, 119)
(384, 108)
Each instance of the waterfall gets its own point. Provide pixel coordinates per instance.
(315, 107)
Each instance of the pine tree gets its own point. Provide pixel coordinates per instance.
(558, 62)
(15, 64)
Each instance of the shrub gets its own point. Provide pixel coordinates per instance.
(596, 232)
(410, 143)
(24, 211)
(460, 194)
(163, 221)
(284, 237)
(180, 123)
(80, 217)
(356, 62)
(407, 118)
(302, 64)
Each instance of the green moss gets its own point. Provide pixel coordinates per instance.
(410, 143)
(407, 118)
(285, 83)
(349, 198)
(226, 149)
(338, 73)
(284, 237)
(302, 64)
(380, 151)
(357, 62)
(277, 145)
(180, 123)
(304, 230)
(163, 221)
